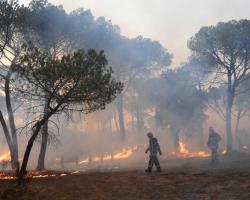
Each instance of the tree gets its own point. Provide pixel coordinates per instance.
(130, 58)
(179, 103)
(11, 22)
(226, 47)
(76, 82)
(46, 26)
(242, 107)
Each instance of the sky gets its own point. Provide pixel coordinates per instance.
(171, 22)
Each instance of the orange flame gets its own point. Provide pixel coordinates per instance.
(84, 161)
(123, 154)
(185, 152)
(5, 157)
(35, 175)
(245, 147)
(224, 152)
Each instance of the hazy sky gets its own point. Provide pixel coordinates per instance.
(172, 22)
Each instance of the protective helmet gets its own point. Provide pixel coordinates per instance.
(211, 129)
(150, 134)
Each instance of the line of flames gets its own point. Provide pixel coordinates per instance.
(185, 152)
(37, 175)
(5, 157)
(123, 154)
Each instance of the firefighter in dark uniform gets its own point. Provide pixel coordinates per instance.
(153, 148)
(213, 143)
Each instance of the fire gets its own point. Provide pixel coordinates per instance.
(75, 172)
(5, 157)
(84, 161)
(123, 154)
(185, 152)
(41, 176)
(108, 157)
(35, 175)
(224, 152)
(245, 147)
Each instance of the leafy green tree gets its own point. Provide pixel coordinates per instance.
(47, 28)
(226, 47)
(130, 58)
(76, 82)
(242, 107)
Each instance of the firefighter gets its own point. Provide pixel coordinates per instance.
(153, 148)
(213, 143)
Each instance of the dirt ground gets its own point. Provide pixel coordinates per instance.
(191, 179)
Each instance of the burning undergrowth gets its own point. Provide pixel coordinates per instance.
(125, 153)
(36, 174)
(123, 158)
(183, 151)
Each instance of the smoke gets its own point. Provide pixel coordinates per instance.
(168, 103)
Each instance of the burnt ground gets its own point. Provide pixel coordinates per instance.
(188, 179)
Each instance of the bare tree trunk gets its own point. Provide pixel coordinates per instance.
(229, 131)
(110, 126)
(36, 129)
(237, 126)
(121, 116)
(62, 163)
(202, 139)
(230, 97)
(176, 139)
(139, 119)
(116, 123)
(90, 158)
(45, 135)
(28, 150)
(8, 139)
(15, 161)
(77, 162)
(41, 159)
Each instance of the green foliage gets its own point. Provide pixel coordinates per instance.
(11, 15)
(226, 45)
(81, 81)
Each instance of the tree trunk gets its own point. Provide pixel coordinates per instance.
(28, 150)
(62, 163)
(176, 140)
(139, 119)
(14, 160)
(237, 126)
(202, 139)
(110, 126)
(230, 97)
(77, 162)
(8, 139)
(229, 130)
(36, 129)
(45, 134)
(121, 116)
(41, 159)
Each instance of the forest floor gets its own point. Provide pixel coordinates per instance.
(190, 179)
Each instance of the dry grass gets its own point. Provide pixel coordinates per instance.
(188, 181)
